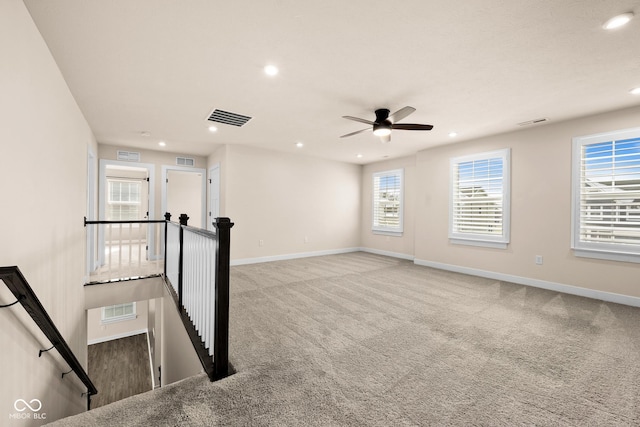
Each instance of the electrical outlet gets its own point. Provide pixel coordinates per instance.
(260, 242)
(539, 259)
(306, 239)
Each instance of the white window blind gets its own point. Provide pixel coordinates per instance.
(479, 199)
(124, 200)
(606, 187)
(387, 201)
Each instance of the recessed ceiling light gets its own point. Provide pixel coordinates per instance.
(162, 143)
(359, 156)
(271, 70)
(617, 21)
(213, 129)
(635, 91)
(299, 144)
(453, 134)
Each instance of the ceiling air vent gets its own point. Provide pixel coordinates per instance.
(128, 156)
(533, 122)
(228, 118)
(185, 161)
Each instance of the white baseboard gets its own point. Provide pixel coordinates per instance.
(552, 286)
(244, 261)
(118, 336)
(387, 253)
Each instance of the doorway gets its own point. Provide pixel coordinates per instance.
(125, 194)
(184, 192)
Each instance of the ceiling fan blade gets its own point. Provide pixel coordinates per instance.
(357, 119)
(411, 126)
(385, 138)
(355, 133)
(401, 114)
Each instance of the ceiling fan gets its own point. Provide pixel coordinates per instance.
(384, 123)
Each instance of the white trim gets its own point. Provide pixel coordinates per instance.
(552, 286)
(608, 255)
(391, 231)
(388, 233)
(492, 241)
(587, 249)
(203, 193)
(285, 257)
(102, 197)
(153, 377)
(389, 254)
(214, 196)
(481, 243)
(118, 336)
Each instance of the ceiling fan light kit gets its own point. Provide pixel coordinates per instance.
(384, 123)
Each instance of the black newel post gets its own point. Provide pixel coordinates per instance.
(167, 218)
(183, 222)
(221, 326)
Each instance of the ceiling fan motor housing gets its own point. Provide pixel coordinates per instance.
(382, 114)
(382, 125)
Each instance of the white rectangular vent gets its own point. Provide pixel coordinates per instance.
(532, 122)
(228, 118)
(128, 156)
(185, 161)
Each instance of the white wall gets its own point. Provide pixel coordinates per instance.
(398, 246)
(98, 332)
(540, 208)
(157, 158)
(41, 214)
(179, 358)
(294, 204)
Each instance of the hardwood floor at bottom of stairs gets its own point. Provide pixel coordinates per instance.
(119, 369)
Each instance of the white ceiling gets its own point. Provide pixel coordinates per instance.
(478, 67)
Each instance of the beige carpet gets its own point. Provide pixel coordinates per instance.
(366, 340)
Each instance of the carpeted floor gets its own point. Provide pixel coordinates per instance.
(365, 340)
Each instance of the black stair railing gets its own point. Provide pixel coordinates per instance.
(197, 273)
(18, 285)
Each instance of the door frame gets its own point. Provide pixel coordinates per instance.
(214, 194)
(203, 192)
(92, 259)
(102, 188)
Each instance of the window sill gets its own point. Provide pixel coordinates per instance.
(480, 243)
(118, 319)
(606, 255)
(387, 233)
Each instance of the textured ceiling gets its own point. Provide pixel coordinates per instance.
(478, 67)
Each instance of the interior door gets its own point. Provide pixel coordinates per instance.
(184, 195)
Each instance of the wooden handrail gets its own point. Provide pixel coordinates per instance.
(18, 285)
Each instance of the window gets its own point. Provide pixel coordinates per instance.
(387, 202)
(479, 199)
(606, 195)
(124, 200)
(119, 312)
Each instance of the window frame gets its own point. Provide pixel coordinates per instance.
(386, 230)
(479, 239)
(589, 249)
(105, 320)
(110, 202)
